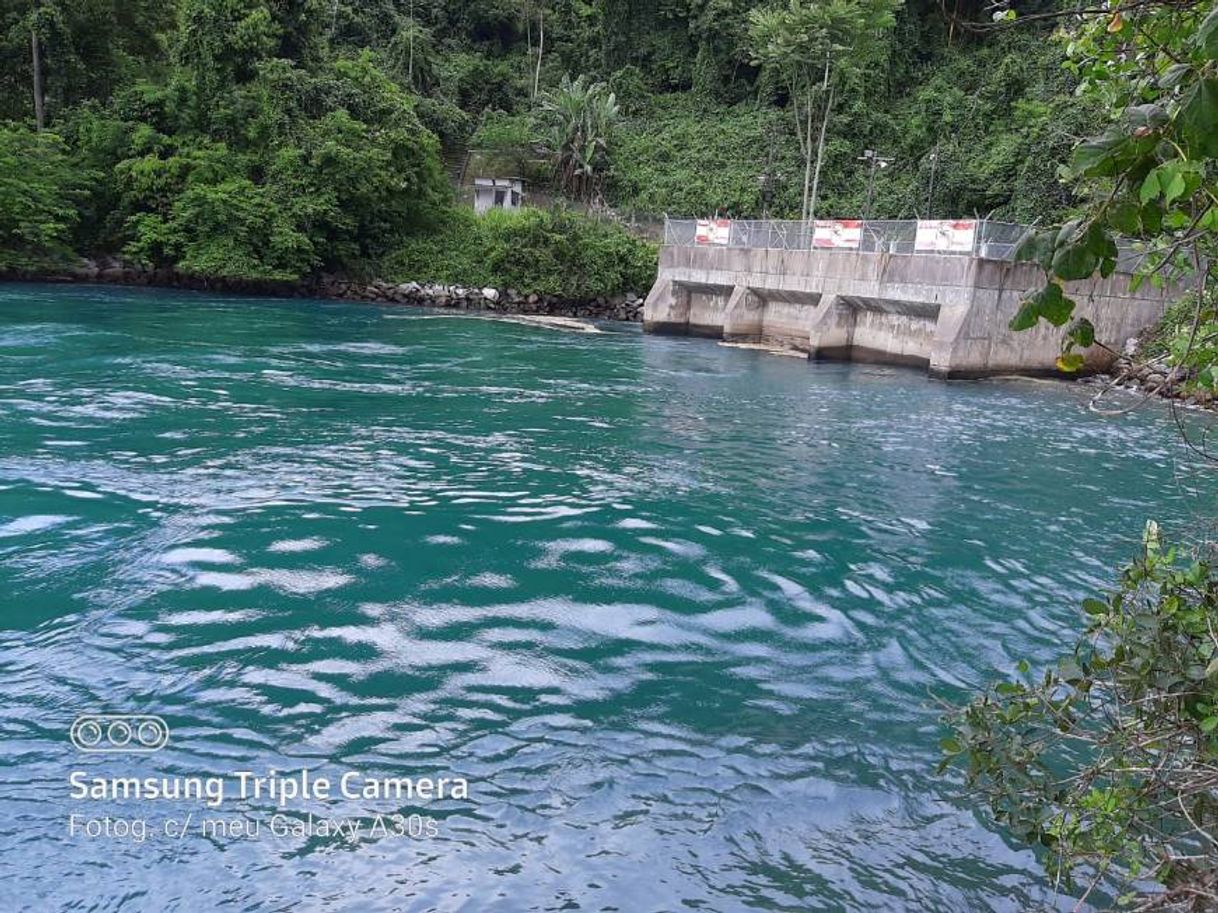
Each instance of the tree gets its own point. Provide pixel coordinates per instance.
(579, 118)
(219, 44)
(36, 67)
(1151, 175)
(1110, 759)
(815, 47)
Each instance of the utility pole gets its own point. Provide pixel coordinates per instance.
(40, 115)
(930, 188)
(875, 162)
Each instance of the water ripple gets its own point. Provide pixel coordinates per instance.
(676, 610)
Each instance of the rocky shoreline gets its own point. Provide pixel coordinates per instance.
(627, 307)
(1155, 377)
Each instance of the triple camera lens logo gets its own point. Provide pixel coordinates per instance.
(116, 733)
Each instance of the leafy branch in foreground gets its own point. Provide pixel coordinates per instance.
(1110, 760)
(1151, 174)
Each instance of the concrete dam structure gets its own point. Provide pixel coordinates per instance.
(881, 299)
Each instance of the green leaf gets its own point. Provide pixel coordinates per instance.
(1026, 317)
(1174, 188)
(1082, 332)
(1054, 306)
(1124, 217)
(1152, 218)
(1174, 75)
(1075, 261)
(1197, 120)
(1037, 246)
(1095, 607)
(1146, 117)
(1207, 35)
(1048, 302)
(950, 745)
(1098, 156)
(1080, 249)
(1176, 219)
(1150, 187)
(1209, 724)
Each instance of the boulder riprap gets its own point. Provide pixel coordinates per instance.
(1155, 377)
(627, 307)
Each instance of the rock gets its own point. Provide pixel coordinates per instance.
(1155, 379)
(490, 294)
(1132, 346)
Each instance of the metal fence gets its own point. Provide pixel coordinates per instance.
(990, 240)
(993, 240)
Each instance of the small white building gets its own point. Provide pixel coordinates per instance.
(498, 193)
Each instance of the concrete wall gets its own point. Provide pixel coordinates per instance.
(949, 313)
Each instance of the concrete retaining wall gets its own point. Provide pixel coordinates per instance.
(948, 313)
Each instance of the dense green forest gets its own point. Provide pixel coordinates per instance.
(283, 138)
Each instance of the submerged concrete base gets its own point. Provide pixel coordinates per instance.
(947, 314)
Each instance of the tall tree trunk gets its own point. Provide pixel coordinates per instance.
(820, 151)
(803, 212)
(541, 43)
(799, 124)
(410, 59)
(36, 59)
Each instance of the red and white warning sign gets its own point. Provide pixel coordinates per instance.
(837, 233)
(713, 231)
(945, 236)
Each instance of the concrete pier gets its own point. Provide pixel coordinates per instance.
(945, 312)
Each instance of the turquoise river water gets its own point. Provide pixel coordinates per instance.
(677, 613)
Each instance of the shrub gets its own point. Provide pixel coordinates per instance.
(554, 252)
(689, 158)
(500, 130)
(1110, 760)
